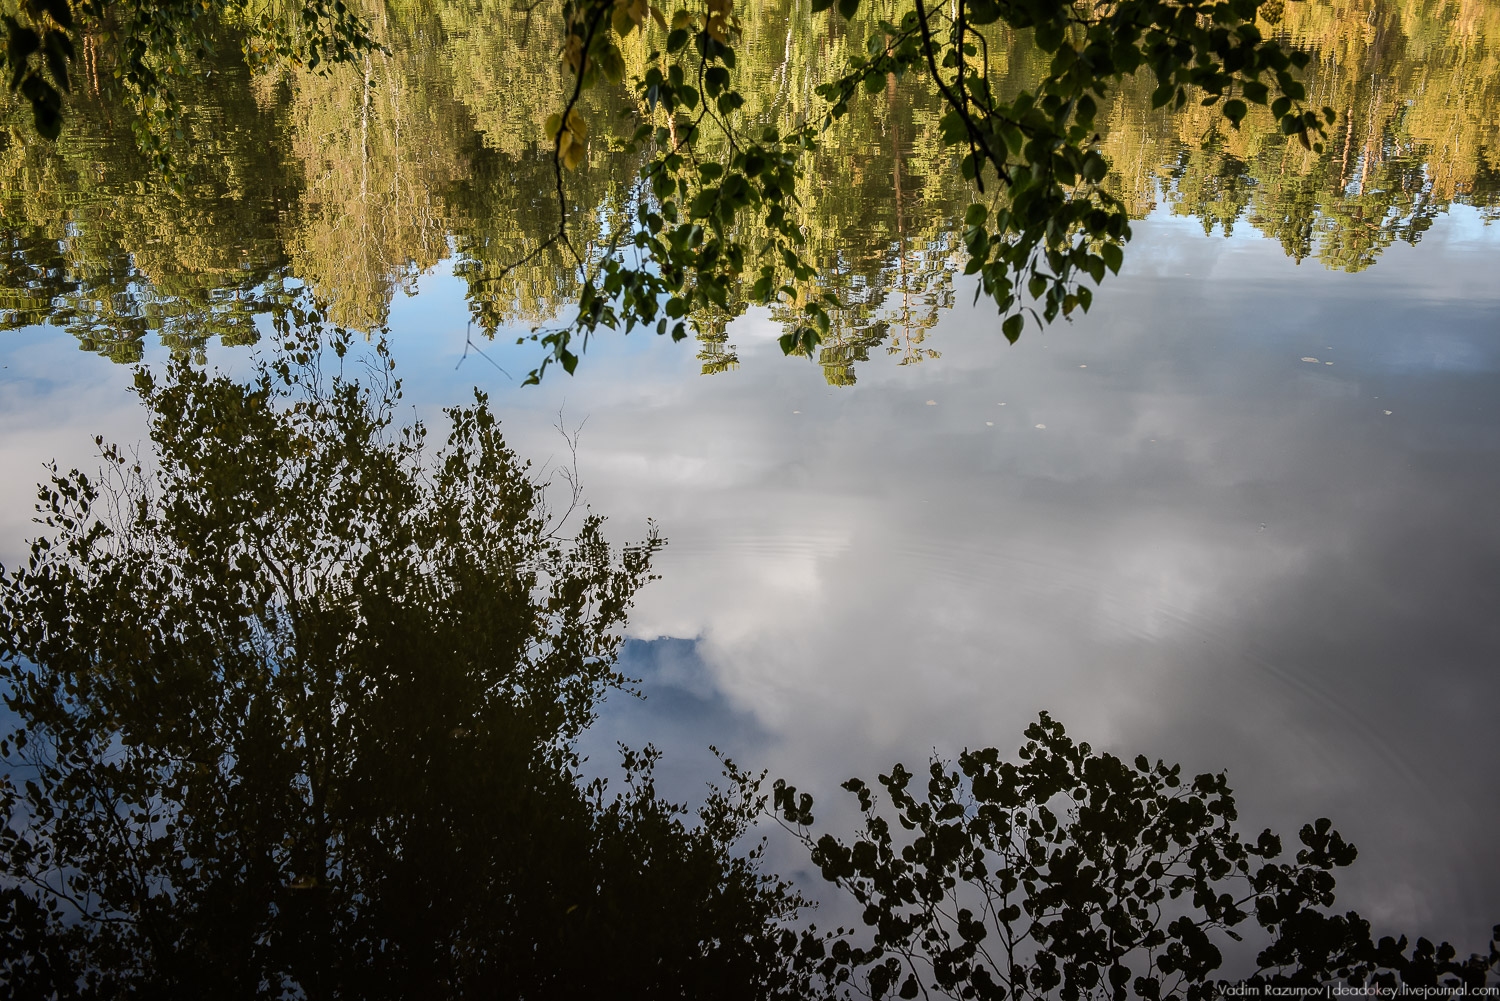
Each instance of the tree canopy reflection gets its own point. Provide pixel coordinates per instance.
(292, 709)
(355, 182)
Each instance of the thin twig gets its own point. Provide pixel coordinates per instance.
(469, 343)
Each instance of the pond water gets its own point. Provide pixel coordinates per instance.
(1240, 515)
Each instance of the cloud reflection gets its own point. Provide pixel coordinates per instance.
(1215, 552)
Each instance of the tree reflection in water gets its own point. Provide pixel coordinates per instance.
(293, 704)
(292, 713)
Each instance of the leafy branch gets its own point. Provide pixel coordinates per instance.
(1075, 874)
(1052, 224)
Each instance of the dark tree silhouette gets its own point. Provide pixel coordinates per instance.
(292, 706)
(1073, 874)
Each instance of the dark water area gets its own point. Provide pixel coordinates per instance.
(1240, 515)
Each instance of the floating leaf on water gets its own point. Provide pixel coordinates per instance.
(1313, 360)
(989, 424)
(932, 403)
(1041, 427)
(1386, 412)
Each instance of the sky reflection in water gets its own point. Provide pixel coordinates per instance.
(1241, 516)
(1215, 550)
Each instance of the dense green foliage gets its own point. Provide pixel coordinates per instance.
(358, 180)
(1054, 223)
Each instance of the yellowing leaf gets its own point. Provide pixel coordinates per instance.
(577, 125)
(573, 52)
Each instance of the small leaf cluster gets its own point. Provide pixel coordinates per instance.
(686, 254)
(1069, 873)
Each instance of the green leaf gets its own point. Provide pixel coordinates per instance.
(953, 129)
(702, 205)
(1012, 327)
(1049, 35)
(982, 11)
(803, 339)
(1086, 109)
(1113, 256)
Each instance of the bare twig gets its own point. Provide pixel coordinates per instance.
(469, 344)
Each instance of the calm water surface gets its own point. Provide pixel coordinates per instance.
(1242, 515)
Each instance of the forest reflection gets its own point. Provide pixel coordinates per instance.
(357, 182)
